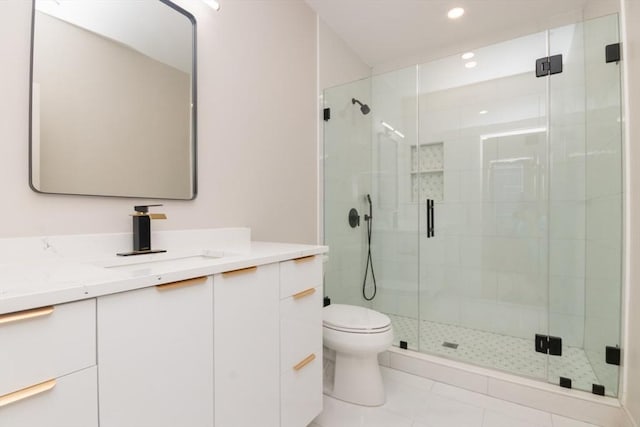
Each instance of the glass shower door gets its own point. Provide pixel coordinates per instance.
(395, 215)
(482, 158)
(585, 246)
(347, 181)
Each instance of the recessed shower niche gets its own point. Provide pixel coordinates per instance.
(427, 172)
(526, 176)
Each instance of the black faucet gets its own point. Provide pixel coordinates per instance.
(142, 231)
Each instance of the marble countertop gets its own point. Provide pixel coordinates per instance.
(35, 281)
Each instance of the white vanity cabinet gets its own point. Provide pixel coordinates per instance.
(246, 342)
(300, 340)
(155, 354)
(47, 366)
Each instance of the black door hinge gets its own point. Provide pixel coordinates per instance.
(326, 301)
(565, 382)
(612, 53)
(548, 65)
(597, 389)
(612, 355)
(549, 345)
(326, 114)
(403, 345)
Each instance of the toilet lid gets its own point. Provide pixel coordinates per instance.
(353, 318)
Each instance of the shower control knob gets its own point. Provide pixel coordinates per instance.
(354, 218)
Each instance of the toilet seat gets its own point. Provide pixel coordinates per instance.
(354, 319)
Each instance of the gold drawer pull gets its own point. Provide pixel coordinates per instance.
(27, 314)
(304, 293)
(240, 271)
(16, 396)
(181, 283)
(304, 259)
(310, 358)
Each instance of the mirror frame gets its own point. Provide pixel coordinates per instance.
(194, 110)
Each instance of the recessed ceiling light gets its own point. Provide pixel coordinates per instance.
(455, 13)
(483, 112)
(468, 55)
(470, 64)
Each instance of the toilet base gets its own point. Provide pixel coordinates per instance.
(358, 380)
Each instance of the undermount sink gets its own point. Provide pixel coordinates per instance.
(176, 262)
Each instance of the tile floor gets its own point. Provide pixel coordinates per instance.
(414, 401)
(486, 349)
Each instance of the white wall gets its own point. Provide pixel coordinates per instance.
(337, 64)
(631, 62)
(257, 129)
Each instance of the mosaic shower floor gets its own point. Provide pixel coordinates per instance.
(506, 353)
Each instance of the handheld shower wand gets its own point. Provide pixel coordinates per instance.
(369, 221)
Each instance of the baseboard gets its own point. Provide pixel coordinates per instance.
(601, 410)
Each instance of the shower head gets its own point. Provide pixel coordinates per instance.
(363, 107)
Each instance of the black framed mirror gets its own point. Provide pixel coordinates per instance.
(113, 99)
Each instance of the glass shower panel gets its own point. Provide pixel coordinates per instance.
(395, 216)
(585, 205)
(347, 180)
(483, 291)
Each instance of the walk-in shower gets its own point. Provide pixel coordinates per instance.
(497, 198)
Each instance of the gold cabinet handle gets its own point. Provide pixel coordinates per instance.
(304, 259)
(24, 315)
(304, 362)
(16, 396)
(181, 283)
(239, 271)
(304, 293)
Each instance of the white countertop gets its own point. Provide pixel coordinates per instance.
(31, 278)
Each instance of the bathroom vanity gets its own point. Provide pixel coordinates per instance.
(217, 331)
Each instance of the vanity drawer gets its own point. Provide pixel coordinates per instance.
(301, 393)
(69, 401)
(299, 274)
(300, 327)
(46, 343)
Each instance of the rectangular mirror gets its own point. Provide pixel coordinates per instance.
(113, 99)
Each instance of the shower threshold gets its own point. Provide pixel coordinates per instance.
(505, 353)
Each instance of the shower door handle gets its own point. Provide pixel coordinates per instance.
(430, 218)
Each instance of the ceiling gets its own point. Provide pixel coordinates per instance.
(384, 31)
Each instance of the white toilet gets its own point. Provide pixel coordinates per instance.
(357, 335)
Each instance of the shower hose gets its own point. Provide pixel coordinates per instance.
(369, 221)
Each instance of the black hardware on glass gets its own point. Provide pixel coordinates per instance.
(597, 389)
(565, 382)
(549, 345)
(403, 345)
(612, 355)
(612, 53)
(326, 114)
(326, 302)
(548, 65)
(430, 219)
(354, 218)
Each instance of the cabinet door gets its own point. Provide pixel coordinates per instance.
(155, 356)
(69, 401)
(247, 389)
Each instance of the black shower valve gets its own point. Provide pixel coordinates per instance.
(354, 218)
